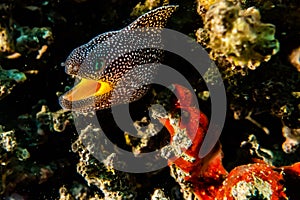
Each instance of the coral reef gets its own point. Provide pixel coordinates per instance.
(8, 140)
(292, 139)
(206, 177)
(39, 125)
(6, 46)
(159, 195)
(17, 149)
(148, 5)
(238, 34)
(32, 40)
(253, 181)
(254, 148)
(46, 154)
(144, 135)
(8, 80)
(111, 183)
(77, 191)
(52, 121)
(267, 91)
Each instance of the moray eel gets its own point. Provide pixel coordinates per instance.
(99, 66)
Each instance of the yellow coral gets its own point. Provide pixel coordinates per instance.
(148, 5)
(6, 45)
(238, 34)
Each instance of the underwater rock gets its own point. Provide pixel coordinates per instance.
(19, 150)
(8, 80)
(61, 119)
(204, 5)
(238, 34)
(8, 143)
(44, 121)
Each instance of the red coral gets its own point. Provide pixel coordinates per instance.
(209, 168)
(293, 170)
(206, 177)
(255, 180)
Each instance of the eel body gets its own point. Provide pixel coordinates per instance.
(104, 61)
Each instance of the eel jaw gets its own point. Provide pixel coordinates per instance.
(86, 89)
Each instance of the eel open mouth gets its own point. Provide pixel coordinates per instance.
(87, 88)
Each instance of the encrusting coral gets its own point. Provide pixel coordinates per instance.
(237, 34)
(111, 184)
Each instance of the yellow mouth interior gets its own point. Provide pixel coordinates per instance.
(87, 88)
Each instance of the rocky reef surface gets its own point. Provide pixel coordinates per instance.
(255, 45)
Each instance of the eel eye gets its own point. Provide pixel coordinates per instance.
(99, 64)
